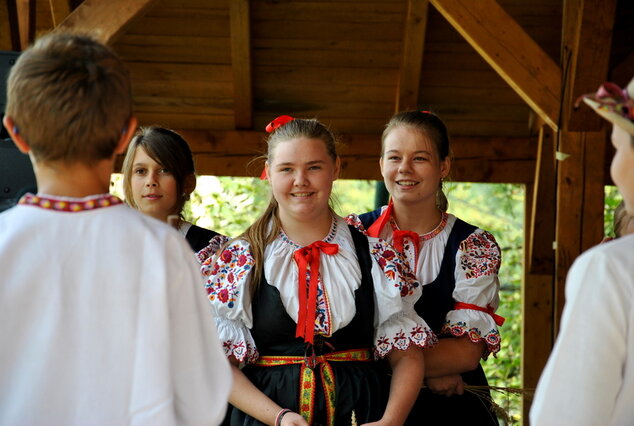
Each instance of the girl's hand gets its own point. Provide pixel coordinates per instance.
(293, 419)
(446, 385)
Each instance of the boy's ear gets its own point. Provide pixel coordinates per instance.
(18, 140)
(126, 135)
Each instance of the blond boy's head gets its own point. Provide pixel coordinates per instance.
(69, 98)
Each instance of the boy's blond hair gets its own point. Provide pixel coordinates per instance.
(69, 97)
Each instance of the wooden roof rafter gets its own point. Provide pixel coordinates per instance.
(241, 63)
(106, 20)
(60, 9)
(412, 56)
(514, 55)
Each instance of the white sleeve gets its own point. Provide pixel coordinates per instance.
(227, 284)
(584, 373)
(397, 325)
(476, 291)
(200, 372)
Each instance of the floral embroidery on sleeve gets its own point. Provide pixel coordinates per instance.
(418, 335)
(227, 273)
(242, 351)
(491, 338)
(481, 255)
(214, 244)
(394, 267)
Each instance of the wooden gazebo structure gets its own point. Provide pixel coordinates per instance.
(503, 74)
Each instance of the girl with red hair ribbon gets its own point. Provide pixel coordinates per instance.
(306, 303)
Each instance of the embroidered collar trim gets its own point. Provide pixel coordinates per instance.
(431, 234)
(70, 205)
(329, 238)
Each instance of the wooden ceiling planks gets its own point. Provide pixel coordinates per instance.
(348, 51)
(180, 58)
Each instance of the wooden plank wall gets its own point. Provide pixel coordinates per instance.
(179, 56)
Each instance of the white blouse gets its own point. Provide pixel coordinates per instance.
(476, 276)
(589, 377)
(396, 323)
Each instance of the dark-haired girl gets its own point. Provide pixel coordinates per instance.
(158, 177)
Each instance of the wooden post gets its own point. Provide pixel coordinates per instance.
(579, 223)
(537, 312)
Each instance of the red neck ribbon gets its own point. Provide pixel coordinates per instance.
(375, 229)
(397, 236)
(499, 320)
(307, 290)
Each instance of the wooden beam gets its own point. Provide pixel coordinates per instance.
(104, 20)
(541, 227)
(514, 55)
(579, 223)
(9, 37)
(412, 55)
(594, 188)
(26, 22)
(241, 63)
(60, 9)
(230, 153)
(586, 42)
(537, 313)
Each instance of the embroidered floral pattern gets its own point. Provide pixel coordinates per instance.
(214, 244)
(226, 271)
(481, 255)
(394, 267)
(420, 336)
(460, 328)
(51, 203)
(242, 351)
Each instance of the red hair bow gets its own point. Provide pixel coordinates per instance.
(278, 122)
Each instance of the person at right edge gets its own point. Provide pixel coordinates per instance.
(589, 376)
(457, 264)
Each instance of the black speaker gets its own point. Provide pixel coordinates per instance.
(16, 171)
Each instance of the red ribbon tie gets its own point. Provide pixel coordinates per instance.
(307, 290)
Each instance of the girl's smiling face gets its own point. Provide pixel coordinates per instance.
(301, 173)
(410, 166)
